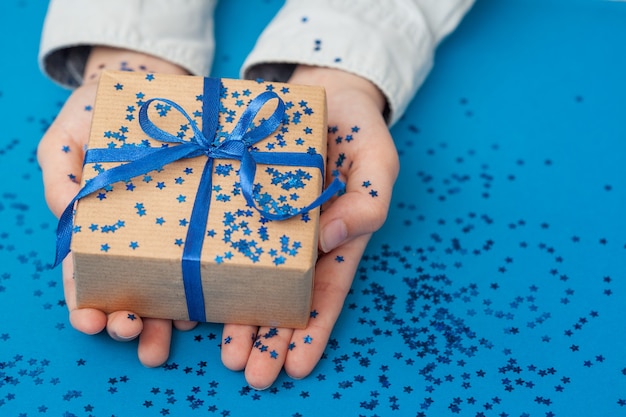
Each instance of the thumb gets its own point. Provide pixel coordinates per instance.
(61, 149)
(361, 210)
(352, 214)
(61, 167)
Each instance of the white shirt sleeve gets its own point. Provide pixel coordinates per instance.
(390, 42)
(180, 31)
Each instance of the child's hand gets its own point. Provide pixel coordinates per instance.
(60, 154)
(362, 152)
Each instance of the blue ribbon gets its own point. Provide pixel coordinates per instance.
(237, 145)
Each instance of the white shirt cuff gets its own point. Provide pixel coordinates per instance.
(391, 43)
(179, 31)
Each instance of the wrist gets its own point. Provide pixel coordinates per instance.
(108, 58)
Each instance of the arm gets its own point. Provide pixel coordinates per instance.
(390, 43)
(176, 31)
(79, 41)
(371, 57)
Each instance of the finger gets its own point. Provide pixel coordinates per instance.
(363, 208)
(124, 326)
(237, 343)
(86, 320)
(334, 274)
(267, 357)
(184, 325)
(154, 342)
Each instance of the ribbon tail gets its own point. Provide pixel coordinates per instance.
(333, 188)
(64, 233)
(248, 169)
(150, 162)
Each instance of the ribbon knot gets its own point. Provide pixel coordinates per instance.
(236, 145)
(229, 149)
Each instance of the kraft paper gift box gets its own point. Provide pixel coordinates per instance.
(200, 199)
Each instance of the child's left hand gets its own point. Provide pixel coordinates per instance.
(361, 150)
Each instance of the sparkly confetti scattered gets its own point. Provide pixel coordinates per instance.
(486, 293)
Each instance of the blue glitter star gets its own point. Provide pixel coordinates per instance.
(141, 211)
(271, 333)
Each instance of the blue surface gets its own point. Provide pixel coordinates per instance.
(496, 288)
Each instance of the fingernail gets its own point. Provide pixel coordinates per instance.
(332, 235)
(119, 338)
(260, 389)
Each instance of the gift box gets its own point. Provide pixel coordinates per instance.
(200, 199)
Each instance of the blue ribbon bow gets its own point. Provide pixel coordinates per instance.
(237, 145)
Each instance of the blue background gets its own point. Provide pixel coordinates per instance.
(496, 287)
